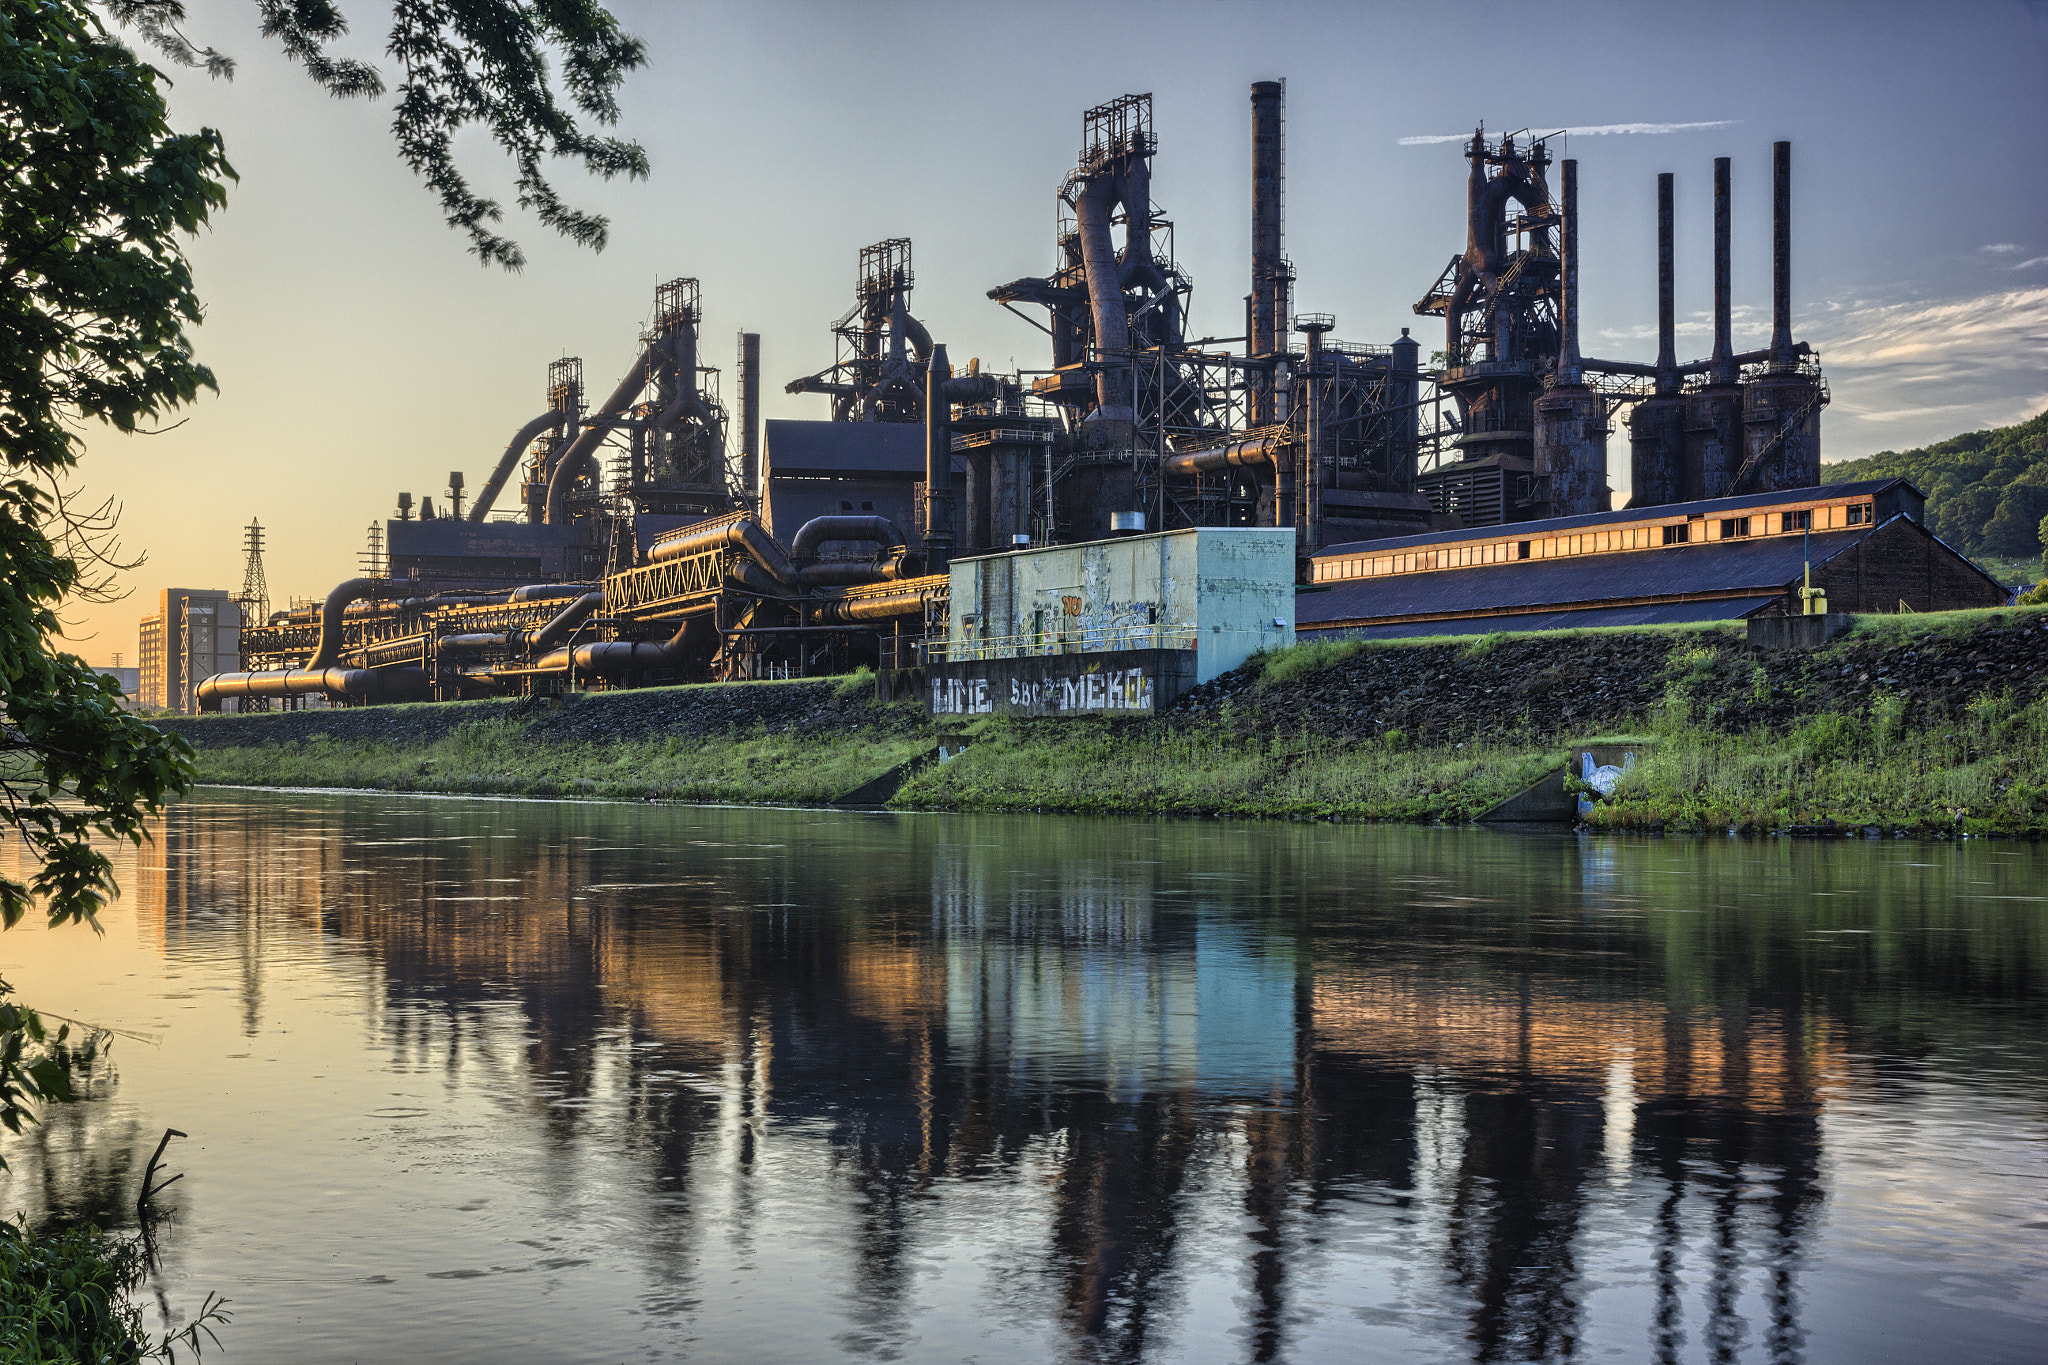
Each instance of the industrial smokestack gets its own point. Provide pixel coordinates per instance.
(1569, 370)
(1667, 318)
(1782, 359)
(1265, 326)
(750, 413)
(1724, 370)
(938, 462)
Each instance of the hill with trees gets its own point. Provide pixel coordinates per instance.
(1987, 491)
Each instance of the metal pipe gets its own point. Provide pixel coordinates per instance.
(610, 658)
(1253, 450)
(1266, 224)
(1667, 316)
(509, 461)
(1781, 258)
(1569, 370)
(938, 433)
(750, 414)
(905, 601)
(542, 592)
(815, 532)
(570, 465)
(279, 682)
(1723, 370)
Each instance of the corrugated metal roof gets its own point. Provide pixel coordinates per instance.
(883, 449)
(1762, 566)
(1656, 614)
(1530, 530)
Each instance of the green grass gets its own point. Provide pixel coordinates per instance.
(1984, 771)
(1946, 622)
(495, 757)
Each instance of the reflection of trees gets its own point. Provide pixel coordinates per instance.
(1150, 1013)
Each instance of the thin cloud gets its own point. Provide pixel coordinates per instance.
(2038, 260)
(1590, 130)
(2000, 248)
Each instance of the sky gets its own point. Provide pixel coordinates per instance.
(361, 351)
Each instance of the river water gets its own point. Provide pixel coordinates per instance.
(503, 1081)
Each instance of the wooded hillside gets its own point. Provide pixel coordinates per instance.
(1987, 491)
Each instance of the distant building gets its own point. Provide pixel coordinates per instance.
(1715, 560)
(130, 680)
(196, 633)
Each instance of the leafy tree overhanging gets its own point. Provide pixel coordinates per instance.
(482, 63)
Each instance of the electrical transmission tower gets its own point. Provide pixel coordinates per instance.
(255, 594)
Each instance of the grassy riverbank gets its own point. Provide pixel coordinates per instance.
(1926, 724)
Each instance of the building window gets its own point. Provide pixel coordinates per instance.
(1799, 521)
(1521, 549)
(867, 507)
(846, 507)
(1860, 514)
(1677, 535)
(1732, 527)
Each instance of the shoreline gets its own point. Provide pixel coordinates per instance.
(1928, 726)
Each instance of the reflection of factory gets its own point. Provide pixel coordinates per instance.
(1069, 1025)
(659, 537)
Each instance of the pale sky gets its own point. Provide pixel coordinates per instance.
(361, 351)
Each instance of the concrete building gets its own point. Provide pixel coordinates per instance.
(1718, 559)
(1111, 625)
(196, 633)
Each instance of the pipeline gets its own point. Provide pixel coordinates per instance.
(1253, 450)
(907, 600)
(509, 461)
(1105, 297)
(741, 532)
(572, 460)
(279, 682)
(542, 637)
(610, 658)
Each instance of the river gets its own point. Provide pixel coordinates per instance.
(489, 1081)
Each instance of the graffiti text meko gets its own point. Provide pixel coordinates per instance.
(1120, 689)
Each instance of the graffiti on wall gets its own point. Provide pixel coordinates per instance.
(1076, 690)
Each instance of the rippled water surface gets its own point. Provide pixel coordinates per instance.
(502, 1081)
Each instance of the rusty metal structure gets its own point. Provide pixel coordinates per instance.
(656, 540)
(1529, 437)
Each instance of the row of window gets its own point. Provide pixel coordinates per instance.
(1620, 538)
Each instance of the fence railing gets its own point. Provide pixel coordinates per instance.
(1073, 639)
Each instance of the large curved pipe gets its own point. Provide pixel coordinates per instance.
(610, 658)
(815, 532)
(570, 465)
(509, 461)
(741, 532)
(1105, 298)
(328, 649)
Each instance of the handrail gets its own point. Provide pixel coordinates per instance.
(1071, 639)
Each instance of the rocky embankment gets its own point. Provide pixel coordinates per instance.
(1568, 686)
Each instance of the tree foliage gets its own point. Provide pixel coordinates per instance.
(96, 193)
(1987, 491)
(463, 63)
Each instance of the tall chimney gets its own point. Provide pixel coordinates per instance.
(1782, 359)
(938, 462)
(1724, 369)
(750, 414)
(1667, 319)
(1569, 370)
(1265, 335)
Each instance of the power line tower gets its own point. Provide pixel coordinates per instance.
(255, 594)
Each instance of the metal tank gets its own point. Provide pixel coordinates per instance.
(1713, 415)
(1781, 408)
(1570, 418)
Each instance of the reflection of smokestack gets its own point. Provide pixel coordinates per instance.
(1568, 368)
(1724, 369)
(1781, 257)
(750, 413)
(1667, 321)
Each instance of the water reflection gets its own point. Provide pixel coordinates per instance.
(1134, 1091)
